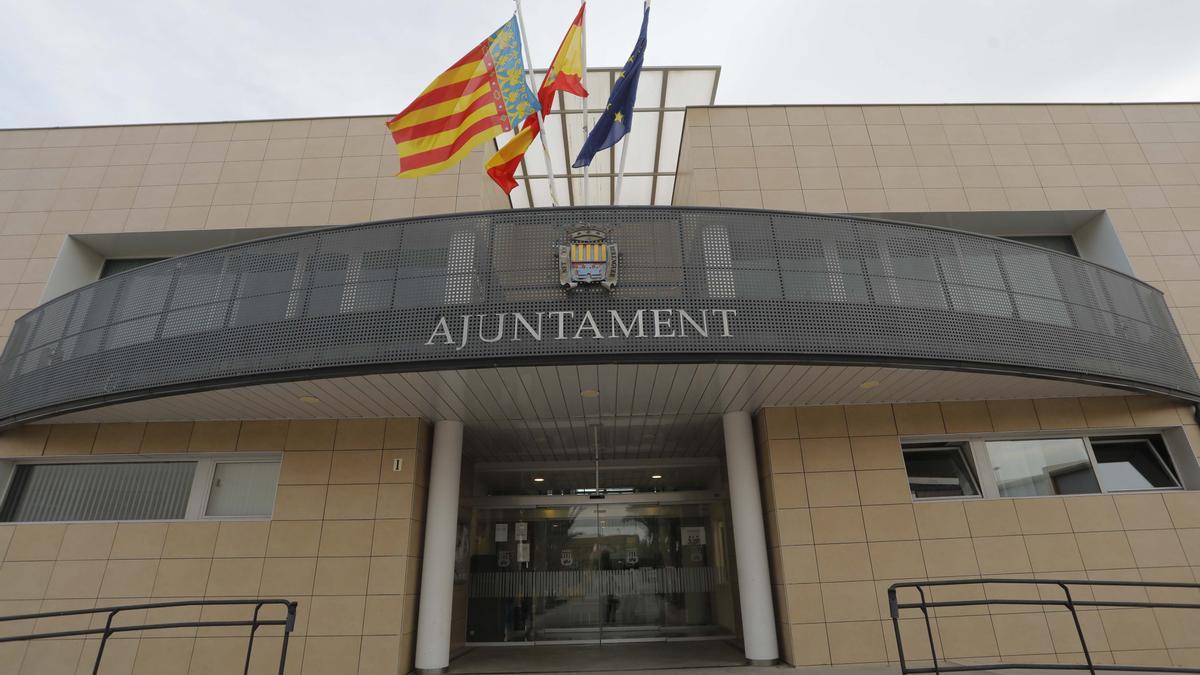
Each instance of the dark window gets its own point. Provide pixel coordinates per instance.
(140, 490)
(939, 470)
(100, 491)
(1063, 243)
(118, 265)
(1133, 463)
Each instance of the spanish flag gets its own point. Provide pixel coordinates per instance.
(481, 95)
(565, 74)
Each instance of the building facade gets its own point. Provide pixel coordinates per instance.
(852, 346)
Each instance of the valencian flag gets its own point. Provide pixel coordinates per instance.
(617, 119)
(565, 74)
(481, 95)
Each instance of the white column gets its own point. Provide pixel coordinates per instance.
(750, 541)
(437, 566)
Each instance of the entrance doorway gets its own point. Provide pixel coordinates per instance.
(639, 567)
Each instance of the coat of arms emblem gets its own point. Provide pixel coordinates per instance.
(587, 258)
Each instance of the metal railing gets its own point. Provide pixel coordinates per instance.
(1069, 602)
(288, 623)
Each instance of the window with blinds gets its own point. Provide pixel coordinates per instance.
(139, 490)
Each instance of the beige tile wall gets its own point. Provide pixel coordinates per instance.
(57, 182)
(852, 529)
(1140, 163)
(344, 541)
(842, 528)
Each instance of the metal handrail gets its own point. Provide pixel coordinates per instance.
(254, 623)
(1068, 601)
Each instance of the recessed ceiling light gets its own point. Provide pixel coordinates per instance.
(869, 384)
(656, 476)
(538, 479)
(590, 393)
(309, 398)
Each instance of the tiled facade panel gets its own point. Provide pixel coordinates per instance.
(842, 527)
(1140, 163)
(346, 534)
(344, 542)
(334, 171)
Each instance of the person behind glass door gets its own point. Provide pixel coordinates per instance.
(611, 601)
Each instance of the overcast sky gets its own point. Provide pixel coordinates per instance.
(131, 61)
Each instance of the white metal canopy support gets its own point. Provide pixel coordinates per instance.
(750, 544)
(437, 565)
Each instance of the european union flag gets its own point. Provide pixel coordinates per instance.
(617, 119)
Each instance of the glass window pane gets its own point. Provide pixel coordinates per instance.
(598, 190)
(641, 140)
(99, 491)
(546, 199)
(690, 87)
(1045, 466)
(520, 199)
(535, 161)
(672, 134)
(541, 191)
(1132, 464)
(649, 90)
(243, 489)
(939, 471)
(598, 88)
(554, 136)
(665, 190)
(636, 190)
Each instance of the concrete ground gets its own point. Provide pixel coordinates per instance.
(707, 657)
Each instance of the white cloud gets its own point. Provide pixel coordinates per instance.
(124, 61)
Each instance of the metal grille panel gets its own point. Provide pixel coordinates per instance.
(99, 491)
(805, 289)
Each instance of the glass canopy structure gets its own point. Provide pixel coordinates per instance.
(663, 95)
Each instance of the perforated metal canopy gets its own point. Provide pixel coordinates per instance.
(697, 286)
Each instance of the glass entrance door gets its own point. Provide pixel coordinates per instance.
(598, 572)
(659, 571)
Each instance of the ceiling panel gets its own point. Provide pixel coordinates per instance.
(547, 412)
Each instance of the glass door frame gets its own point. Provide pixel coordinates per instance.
(645, 498)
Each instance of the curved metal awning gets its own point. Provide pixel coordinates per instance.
(694, 286)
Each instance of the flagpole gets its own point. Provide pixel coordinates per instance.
(625, 143)
(583, 65)
(621, 171)
(540, 117)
